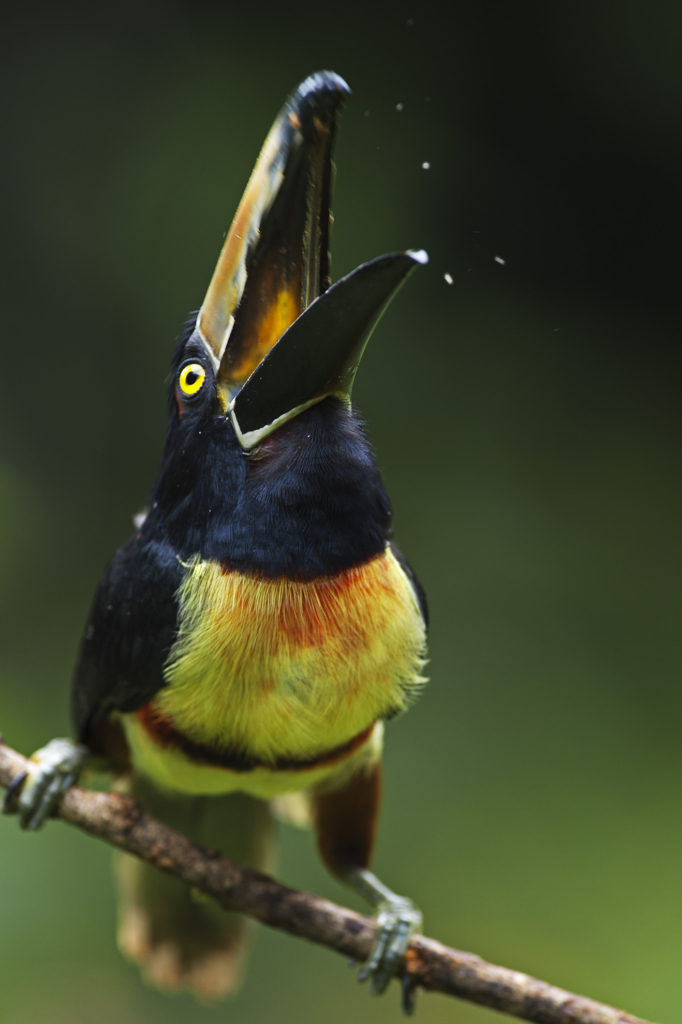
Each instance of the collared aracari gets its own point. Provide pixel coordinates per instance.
(247, 644)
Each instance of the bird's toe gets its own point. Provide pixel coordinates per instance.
(397, 921)
(34, 794)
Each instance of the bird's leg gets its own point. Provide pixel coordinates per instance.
(34, 794)
(345, 821)
(397, 921)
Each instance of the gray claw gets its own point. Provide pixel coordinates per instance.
(35, 793)
(407, 999)
(397, 920)
(9, 803)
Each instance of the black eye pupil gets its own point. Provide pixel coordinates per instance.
(192, 378)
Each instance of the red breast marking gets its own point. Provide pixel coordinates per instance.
(163, 732)
(309, 613)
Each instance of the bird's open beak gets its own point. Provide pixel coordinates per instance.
(319, 354)
(275, 260)
(280, 338)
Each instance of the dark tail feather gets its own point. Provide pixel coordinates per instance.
(180, 939)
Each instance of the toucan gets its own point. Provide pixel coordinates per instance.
(247, 644)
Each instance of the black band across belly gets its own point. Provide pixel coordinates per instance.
(163, 732)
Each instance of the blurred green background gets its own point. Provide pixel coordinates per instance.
(526, 417)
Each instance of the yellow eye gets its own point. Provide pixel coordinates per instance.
(192, 378)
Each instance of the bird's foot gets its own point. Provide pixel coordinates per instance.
(397, 921)
(34, 794)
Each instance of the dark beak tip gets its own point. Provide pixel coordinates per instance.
(318, 97)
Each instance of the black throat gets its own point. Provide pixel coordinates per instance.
(309, 503)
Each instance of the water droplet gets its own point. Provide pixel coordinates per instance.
(498, 259)
(399, 106)
(448, 278)
(426, 166)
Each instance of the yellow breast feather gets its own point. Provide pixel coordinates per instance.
(283, 668)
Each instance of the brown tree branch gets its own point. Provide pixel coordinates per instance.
(121, 821)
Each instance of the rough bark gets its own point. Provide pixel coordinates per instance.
(122, 822)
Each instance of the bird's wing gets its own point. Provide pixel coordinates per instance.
(129, 633)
